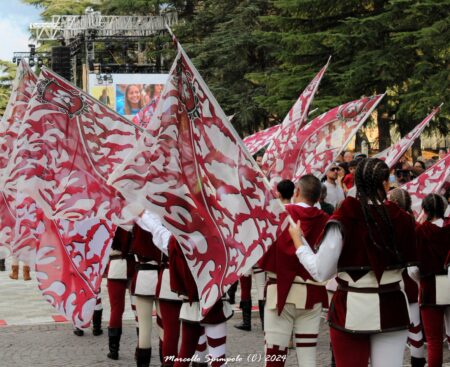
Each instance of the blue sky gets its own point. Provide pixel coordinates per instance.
(14, 20)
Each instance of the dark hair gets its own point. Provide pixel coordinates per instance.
(258, 154)
(323, 191)
(402, 198)
(286, 189)
(353, 163)
(369, 180)
(421, 164)
(310, 187)
(344, 166)
(434, 206)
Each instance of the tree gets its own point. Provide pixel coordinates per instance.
(7, 75)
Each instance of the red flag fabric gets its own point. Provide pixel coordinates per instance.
(392, 154)
(22, 89)
(193, 170)
(322, 139)
(68, 145)
(70, 262)
(434, 180)
(281, 155)
(261, 139)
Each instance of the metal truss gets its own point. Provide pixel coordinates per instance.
(68, 27)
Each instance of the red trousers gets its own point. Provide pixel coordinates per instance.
(246, 287)
(170, 317)
(190, 333)
(433, 321)
(116, 292)
(342, 343)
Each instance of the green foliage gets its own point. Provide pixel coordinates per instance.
(7, 75)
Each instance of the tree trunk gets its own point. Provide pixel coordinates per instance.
(384, 130)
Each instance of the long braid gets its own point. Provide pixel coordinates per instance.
(402, 198)
(369, 178)
(434, 206)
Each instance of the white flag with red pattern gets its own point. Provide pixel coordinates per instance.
(322, 140)
(433, 181)
(193, 170)
(392, 154)
(68, 145)
(260, 139)
(281, 155)
(22, 89)
(70, 261)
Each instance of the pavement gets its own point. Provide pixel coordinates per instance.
(32, 334)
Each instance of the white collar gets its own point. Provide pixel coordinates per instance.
(438, 222)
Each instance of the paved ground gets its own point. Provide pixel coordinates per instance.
(32, 338)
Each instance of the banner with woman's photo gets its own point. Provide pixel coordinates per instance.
(126, 93)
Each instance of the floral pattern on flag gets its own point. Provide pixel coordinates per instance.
(260, 139)
(68, 145)
(432, 181)
(281, 155)
(392, 154)
(69, 266)
(322, 139)
(192, 169)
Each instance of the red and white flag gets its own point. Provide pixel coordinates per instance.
(70, 261)
(22, 89)
(193, 170)
(143, 117)
(392, 154)
(323, 139)
(68, 145)
(434, 180)
(281, 155)
(261, 139)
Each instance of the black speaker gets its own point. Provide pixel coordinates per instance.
(61, 61)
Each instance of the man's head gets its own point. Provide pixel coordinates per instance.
(403, 176)
(442, 153)
(348, 157)
(285, 190)
(332, 173)
(308, 190)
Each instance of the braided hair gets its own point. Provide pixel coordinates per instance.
(434, 206)
(402, 198)
(370, 175)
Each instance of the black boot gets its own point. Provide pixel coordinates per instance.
(417, 362)
(114, 342)
(143, 357)
(261, 304)
(2, 265)
(232, 293)
(78, 332)
(246, 324)
(97, 323)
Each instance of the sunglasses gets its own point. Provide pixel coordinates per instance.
(403, 173)
(334, 169)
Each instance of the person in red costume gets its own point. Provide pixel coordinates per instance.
(119, 274)
(193, 324)
(368, 242)
(415, 336)
(294, 300)
(433, 245)
(144, 287)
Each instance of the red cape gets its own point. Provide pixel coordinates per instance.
(281, 258)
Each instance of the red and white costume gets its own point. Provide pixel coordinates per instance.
(148, 258)
(433, 246)
(368, 313)
(294, 300)
(182, 283)
(119, 272)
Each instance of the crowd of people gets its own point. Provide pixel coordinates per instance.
(355, 252)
